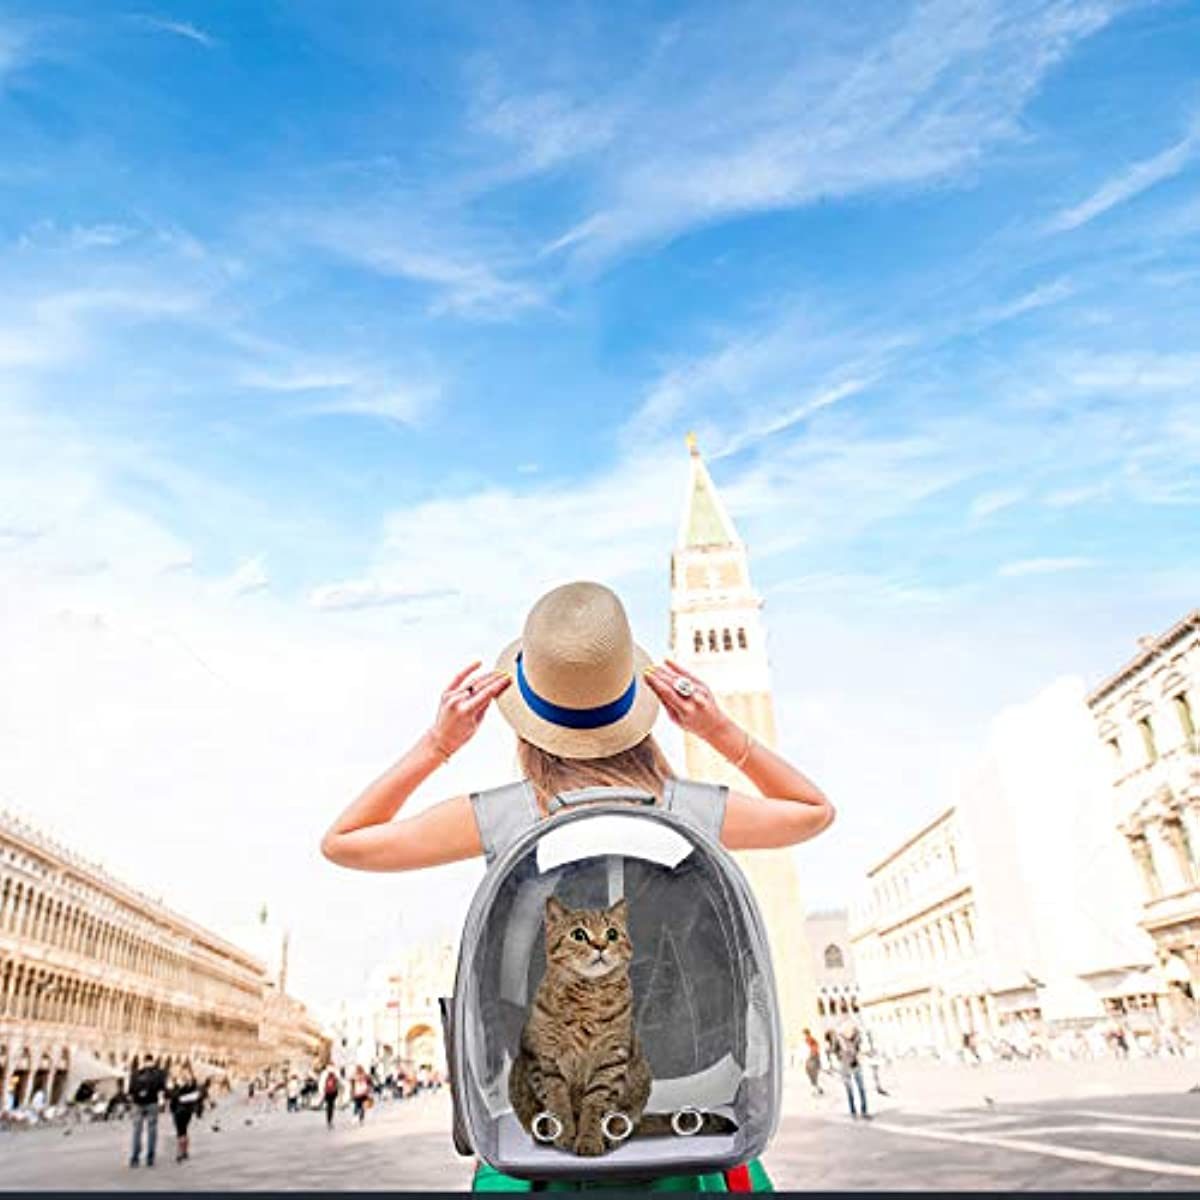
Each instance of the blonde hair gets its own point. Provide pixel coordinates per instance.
(643, 767)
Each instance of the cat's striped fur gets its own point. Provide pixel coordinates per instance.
(580, 1057)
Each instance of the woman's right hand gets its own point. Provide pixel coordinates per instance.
(462, 707)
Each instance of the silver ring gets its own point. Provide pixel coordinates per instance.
(613, 1117)
(684, 686)
(539, 1123)
(694, 1115)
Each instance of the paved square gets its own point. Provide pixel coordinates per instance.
(1128, 1127)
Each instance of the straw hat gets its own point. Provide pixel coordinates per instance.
(578, 690)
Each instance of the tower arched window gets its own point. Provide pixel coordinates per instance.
(712, 639)
(697, 641)
(741, 639)
(727, 640)
(834, 959)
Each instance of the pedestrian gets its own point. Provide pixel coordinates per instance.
(831, 1050)
(360, 1091)
(330, 1086)
(558, 752)
(849, 1052)
(146, 1085)
(187, 1101)
(293, 1093)
(812, 1064)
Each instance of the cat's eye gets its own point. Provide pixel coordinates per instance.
(613, 935)
(579, 935)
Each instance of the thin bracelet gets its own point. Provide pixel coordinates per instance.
(745, 753)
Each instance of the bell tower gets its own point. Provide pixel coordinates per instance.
(717, 631)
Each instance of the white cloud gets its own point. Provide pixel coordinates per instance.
(356, 594)
(350, 386)
(470, 277)
(919, 104)
(1130, 183)
(987, 503)
(250, 576)
(1044, 566)
(182, 29)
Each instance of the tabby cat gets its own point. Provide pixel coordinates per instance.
(580, 1058)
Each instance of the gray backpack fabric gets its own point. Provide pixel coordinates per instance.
(704, 994)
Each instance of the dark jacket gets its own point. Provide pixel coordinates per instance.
(187, 1098)
(147, 1084)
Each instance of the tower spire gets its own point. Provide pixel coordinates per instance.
(705, 521)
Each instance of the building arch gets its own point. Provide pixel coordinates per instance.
(420, 1045)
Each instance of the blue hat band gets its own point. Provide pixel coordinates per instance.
(575, 718)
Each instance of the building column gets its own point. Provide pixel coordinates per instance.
(6, 1074)
(992, 1023)
(1166, 862)
(1189, 816)
(35, 1060)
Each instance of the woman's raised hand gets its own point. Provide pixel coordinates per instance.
(697, 711)
(462, 706)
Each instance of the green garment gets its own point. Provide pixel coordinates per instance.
(488, 1179)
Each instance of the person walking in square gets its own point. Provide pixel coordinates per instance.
(330, 1086)
(572, 733)
(187, 1101)
(360, 1092)
(146, 1085)
(812, 1064)
(849, 1058)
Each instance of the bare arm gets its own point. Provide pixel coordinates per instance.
(791, 808)
(365, 837)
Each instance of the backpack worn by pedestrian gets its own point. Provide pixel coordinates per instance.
(331, 1084)
(614, 1012)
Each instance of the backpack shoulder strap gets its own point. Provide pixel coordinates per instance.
(701, 803)
(502, 814)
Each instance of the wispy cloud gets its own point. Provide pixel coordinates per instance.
(250, 576)
(988, 503)
(920, 105)
(360, 594)
(15, 45)
(183, 29)
(350, 387)
(1043, 566)
(467, 273)
(1130, 183)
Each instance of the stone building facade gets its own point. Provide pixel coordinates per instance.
(396, 1023)
(1014, 912)
(717, 631)
(916, 945)
(93, 971)
(828, 936)
(1147, 717)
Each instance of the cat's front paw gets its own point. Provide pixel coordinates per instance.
(590, 1143)
(566, 1139)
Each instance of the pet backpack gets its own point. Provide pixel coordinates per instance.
(705, 1010)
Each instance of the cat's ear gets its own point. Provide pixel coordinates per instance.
(555, 910)
(619, 911)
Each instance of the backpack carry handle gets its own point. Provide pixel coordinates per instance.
(592, 794)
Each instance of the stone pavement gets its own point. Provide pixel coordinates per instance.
(1072, 1126)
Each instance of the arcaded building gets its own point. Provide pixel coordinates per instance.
(93, 972)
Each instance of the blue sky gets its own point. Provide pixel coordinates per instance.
(329, 335)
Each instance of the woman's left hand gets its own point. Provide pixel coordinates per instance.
(697, 712)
